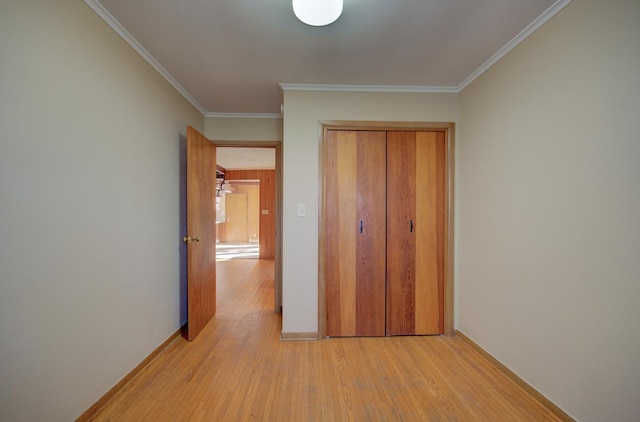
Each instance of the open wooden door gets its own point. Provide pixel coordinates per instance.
(201, 232)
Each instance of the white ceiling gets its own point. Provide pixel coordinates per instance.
(229, 56)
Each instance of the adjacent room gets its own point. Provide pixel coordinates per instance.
(245, 202)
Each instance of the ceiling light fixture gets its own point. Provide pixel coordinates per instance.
(317, 12)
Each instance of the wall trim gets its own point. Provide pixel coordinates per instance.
(102, 401)
(449, 129)
(369, 88)
(524, 34)
(551, 406)
(244, 115)
(298, 336)
(120, 30)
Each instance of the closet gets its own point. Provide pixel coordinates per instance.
(384, 232)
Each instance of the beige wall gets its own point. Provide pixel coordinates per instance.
(243, 129)
(89, 208)
(303, 110)
(548, 213)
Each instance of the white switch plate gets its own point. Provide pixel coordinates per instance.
(302, 210)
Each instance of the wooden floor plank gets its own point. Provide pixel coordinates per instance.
(237, 370)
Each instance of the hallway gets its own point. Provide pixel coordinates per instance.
(237, 369)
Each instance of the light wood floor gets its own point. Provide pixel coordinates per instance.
(238, 370)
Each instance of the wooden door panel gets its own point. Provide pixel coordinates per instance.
(340, 233)
(427, 311)
(415, 257)
(253, 212)
(236, 215)
(267, 203)
(441, 220)
(355, 258)
(371, 234)
(252, 189)
(401, 241)
(201, 217)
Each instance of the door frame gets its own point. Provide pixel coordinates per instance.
(277, 145)
(449, 129)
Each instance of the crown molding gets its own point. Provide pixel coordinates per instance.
(244, 115)
(530, 29)
(524, 34)
(369, 88)
(116, 26)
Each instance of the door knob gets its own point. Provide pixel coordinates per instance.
(189, 239)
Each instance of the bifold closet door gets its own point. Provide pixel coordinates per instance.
(354, 231)
(415, 232)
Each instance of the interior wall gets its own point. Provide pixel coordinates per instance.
(243, 129)
(548, 210)
(89, 208)
(303, 112)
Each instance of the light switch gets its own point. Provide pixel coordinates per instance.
(302, 210)
(265, 212)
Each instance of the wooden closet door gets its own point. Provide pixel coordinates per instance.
(355, 234)
(415, 232)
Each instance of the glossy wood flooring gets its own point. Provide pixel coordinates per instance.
(238, 370)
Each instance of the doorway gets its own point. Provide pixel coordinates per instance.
(248, 206)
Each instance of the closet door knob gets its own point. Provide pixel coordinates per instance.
(410, 226)
(360, 226)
